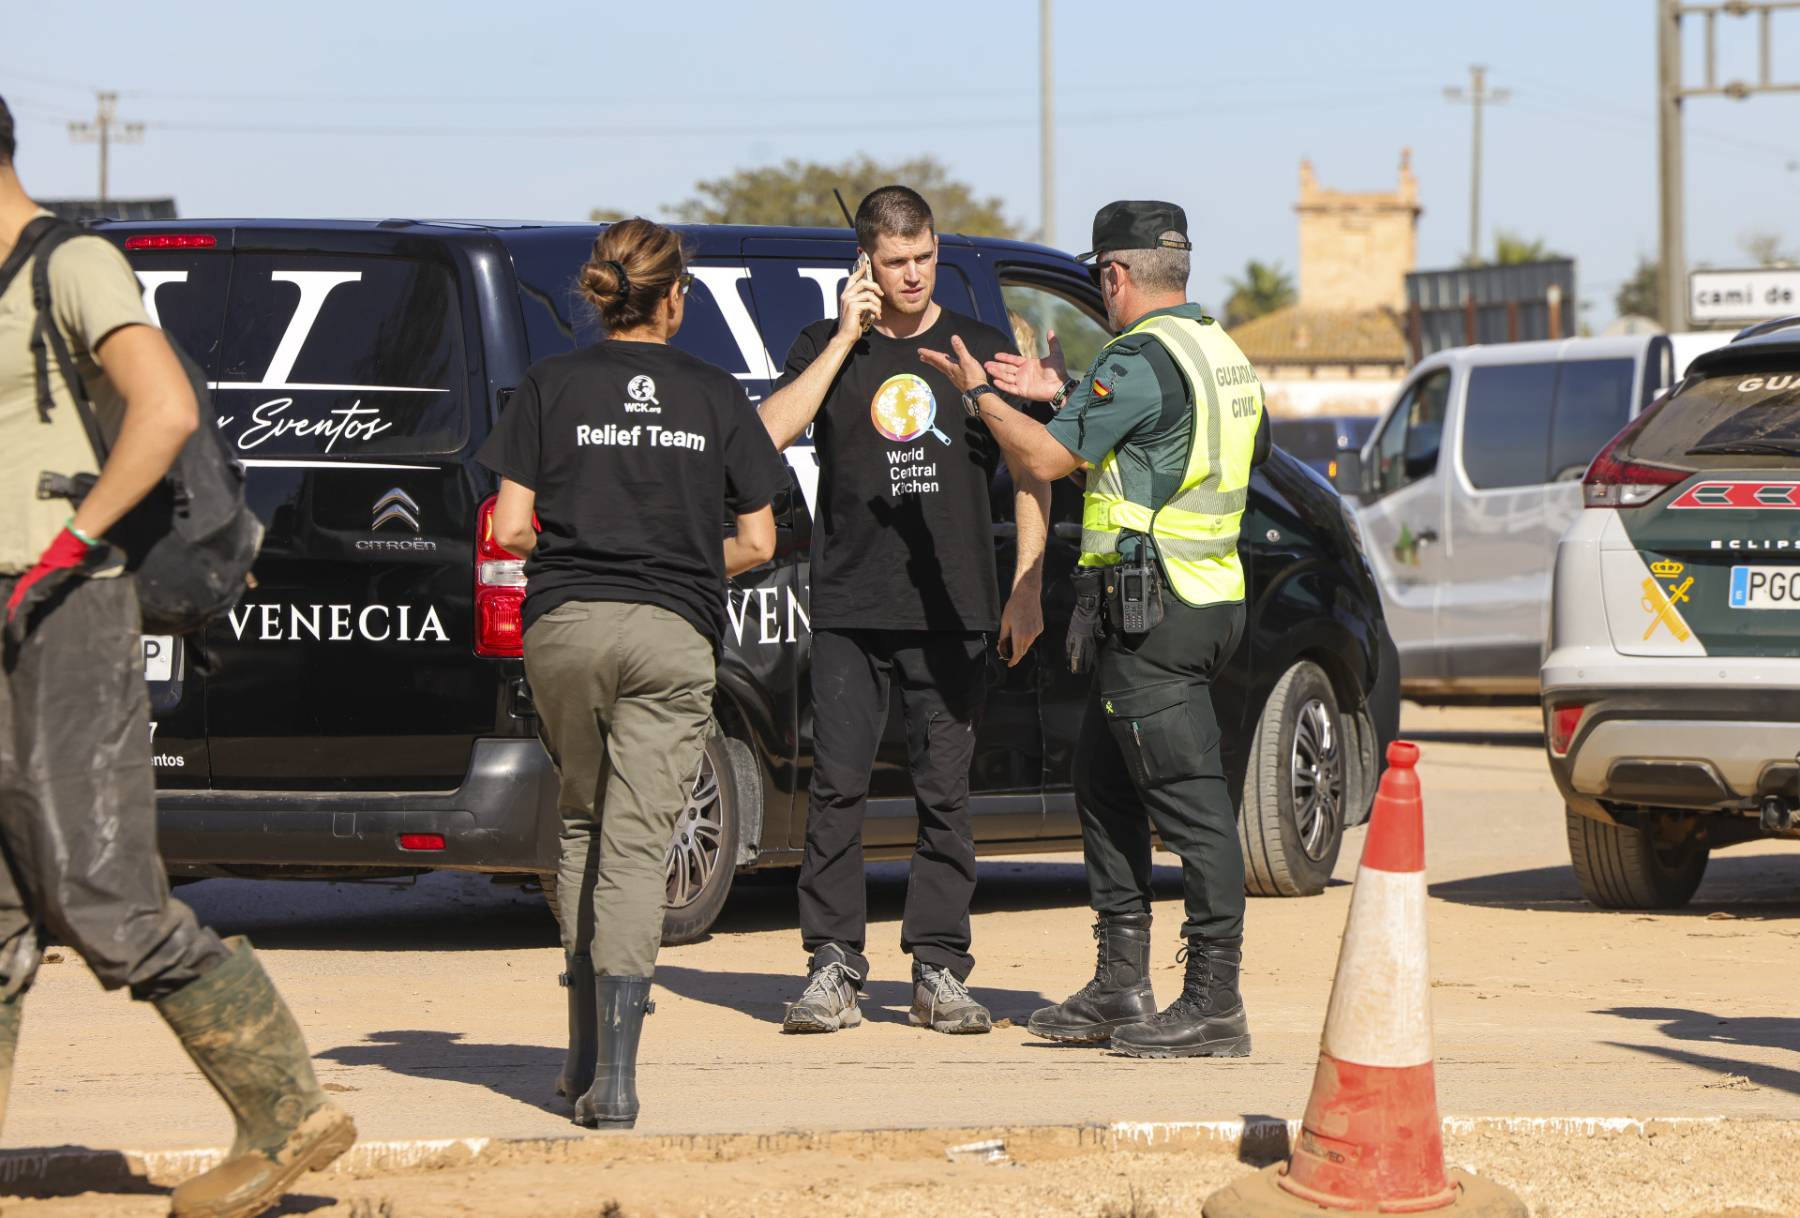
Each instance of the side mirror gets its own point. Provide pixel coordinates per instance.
(1348, 473)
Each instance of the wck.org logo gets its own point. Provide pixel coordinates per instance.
(643, 396)
(400, 510)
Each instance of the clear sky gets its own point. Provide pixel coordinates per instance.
(544, 109)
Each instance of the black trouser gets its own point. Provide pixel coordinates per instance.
(942, 687)
(1149, 754)
(78, 803)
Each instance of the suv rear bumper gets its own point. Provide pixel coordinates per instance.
(502, 818)
(1719, 746)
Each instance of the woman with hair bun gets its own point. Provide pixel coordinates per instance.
(615, 462)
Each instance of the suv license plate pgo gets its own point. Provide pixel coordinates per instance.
(162, 655)
(1765, 588)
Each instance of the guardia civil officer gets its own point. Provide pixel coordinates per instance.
(1170, 418)
(78, 854)
(616, 462)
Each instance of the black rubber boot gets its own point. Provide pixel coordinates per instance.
(240, 1033)
(11, 1011)
(1207, 1019)
(1118, 995)
(612, 1101)
(578, 1066)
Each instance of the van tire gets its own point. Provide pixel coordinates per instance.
(733, 767)
(1291, 830)
(1633, 866)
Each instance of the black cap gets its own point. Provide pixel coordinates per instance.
(1137, 224)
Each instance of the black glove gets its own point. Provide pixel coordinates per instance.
(1084, 624)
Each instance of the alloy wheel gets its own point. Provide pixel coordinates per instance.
(1316, 777)
(694, 850)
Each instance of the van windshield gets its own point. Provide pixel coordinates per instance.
(341, 357)
(1724, 421)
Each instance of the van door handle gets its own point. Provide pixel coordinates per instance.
(1066, 530)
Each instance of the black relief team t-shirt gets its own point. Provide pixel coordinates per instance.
(633, 449)
(902, 536)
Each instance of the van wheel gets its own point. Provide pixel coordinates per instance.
(703, 850)
(1292, 824)
(1653, 865)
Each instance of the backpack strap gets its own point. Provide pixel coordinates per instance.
(47, 336)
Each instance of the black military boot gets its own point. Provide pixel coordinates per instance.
(1207, 1019)
(578, 1066)
(1118, 995)
(612, 1101)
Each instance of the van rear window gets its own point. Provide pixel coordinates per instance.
(1724, 420)
(341, 357)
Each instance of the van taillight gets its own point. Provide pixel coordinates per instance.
(172, 241)
(1563, 722)
(1614, 483)
(499, 592)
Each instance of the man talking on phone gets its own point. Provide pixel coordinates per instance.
(904, 593)
(1170, 418)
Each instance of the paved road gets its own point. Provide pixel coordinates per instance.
(433, 1009)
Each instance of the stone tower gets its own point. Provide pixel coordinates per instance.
(1356, 249)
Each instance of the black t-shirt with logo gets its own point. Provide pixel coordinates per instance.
(902, 536)
(635, 451)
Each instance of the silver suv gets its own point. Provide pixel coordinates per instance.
(1671, 677)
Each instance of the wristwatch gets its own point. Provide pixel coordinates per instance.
(972, 399)
(1062, 394)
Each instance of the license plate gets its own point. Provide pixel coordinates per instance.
(1765, 587)
(162, 654)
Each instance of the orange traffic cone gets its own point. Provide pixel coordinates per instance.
(1372, 1140)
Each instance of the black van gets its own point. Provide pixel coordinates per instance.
(364, 711)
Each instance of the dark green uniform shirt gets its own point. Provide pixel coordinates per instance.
(1135, 403)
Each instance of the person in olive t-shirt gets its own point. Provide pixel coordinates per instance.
(615, 462)
(904, 590)
(78, 856)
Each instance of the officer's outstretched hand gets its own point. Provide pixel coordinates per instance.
(1027, 376)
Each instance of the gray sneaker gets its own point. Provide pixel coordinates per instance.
(828, 1003)
(942, 1003)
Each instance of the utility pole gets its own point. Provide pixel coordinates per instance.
(105, 130)
(1046, 125)
(1477, 96)
(1670, 93)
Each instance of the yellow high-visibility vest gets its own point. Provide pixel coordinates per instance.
(1196, 531)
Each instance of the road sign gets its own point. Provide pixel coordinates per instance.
(1757, 294)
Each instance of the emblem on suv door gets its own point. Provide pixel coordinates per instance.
(396, 505)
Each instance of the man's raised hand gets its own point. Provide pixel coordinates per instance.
(859, 305)
(1027, 376)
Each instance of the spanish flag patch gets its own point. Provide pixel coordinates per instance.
(1101, 388)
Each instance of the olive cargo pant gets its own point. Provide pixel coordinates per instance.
(78, 802)
(1149, 754)
(624, 694)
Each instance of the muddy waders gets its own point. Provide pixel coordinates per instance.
(12, 1008)
(612, 1102)
(240, 1033)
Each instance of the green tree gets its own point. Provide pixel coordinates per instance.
(1511, 249)
(1639, 296)
(799, 192)
(608, 215)
(1263, 288)
(1765, 248)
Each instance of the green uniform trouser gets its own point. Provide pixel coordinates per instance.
(1149, 755)
(624, 695)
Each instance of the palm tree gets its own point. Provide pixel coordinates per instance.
(1263, 288)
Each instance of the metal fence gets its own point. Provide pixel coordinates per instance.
(1489, 304)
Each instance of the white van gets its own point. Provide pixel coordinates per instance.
(1468, 481)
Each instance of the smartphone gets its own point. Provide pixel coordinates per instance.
(862, 268)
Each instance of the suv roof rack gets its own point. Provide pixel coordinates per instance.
(1767, 327)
